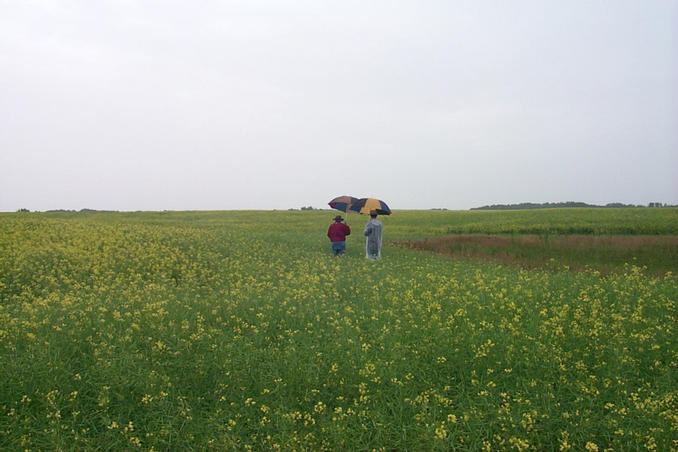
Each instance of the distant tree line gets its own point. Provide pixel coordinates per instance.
(554, 205)
(81, 210)
(69, 211)
(307, 208)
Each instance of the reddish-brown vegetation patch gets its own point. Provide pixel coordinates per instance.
(659, 253)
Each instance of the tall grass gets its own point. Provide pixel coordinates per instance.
(543, 222)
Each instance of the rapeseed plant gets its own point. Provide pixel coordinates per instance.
(164, 331)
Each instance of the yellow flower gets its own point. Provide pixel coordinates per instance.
(591, 447)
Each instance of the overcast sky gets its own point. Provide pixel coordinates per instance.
(152, 105)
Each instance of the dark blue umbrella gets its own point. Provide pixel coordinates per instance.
(342, 203)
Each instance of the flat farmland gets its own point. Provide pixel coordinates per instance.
(238, 330)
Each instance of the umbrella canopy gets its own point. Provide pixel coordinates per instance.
(342, 203)
(366, 205)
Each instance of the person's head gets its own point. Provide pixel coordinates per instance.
(338, 219)
(373, 213)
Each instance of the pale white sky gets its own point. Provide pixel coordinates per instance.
(151, 105)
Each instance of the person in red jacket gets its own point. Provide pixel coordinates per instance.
(337, 234)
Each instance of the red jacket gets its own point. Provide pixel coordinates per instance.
(338, 232)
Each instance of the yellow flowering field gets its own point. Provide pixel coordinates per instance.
(240, 331)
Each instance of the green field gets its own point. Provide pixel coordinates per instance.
(239, 331)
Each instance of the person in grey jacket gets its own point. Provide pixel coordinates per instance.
(373, 233)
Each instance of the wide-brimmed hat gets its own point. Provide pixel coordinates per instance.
(338, 218)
